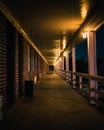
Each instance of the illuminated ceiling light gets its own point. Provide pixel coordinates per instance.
(64, 54)
(84, 35)
(84, 8)
(64, 42)
(64, 32)
(59, 59)
(84, 12)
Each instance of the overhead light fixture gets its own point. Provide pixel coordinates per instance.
(64, 42)
(64, 54)
(84, 35)
(84, 12)
(84, 4)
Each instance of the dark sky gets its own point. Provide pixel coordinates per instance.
(100, 42)
(81, 51)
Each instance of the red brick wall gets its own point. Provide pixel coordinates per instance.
(20, 65)
(14, 64)
(3, 58)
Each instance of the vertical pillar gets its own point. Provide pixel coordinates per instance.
(69, 70)
(73, 67)
(67, 61)
(92, 69)
(58, 67)
(67, 66)
(61, 66)
(62, 63)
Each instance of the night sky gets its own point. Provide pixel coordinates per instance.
(81, 54)
(100, 42)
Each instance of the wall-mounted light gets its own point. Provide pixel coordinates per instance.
(84, 35)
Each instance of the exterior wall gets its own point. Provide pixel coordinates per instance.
(3, 64)
(32, 68)
(20, 65)
(14, 65)
(38, 66)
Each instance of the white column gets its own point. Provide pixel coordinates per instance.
(67, 66)
(62, 63)
(58, 65)
(69, 73)
(74, 66)
(67, 61)
(92, 69)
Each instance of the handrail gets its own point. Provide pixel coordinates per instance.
(84, 87)
(92, 77)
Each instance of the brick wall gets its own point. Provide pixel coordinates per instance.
(16, 69)
(3, 63)
(21, 65)
(11, 62)
(14, 64)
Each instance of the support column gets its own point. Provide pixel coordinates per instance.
(73, 66)
(59, 64)
(69, 70)
(62, 66)
(62, 63)
(67, 66)
(92, 69)
(67, 61)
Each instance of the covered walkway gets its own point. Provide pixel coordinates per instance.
(55, 105)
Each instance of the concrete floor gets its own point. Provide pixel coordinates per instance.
(54, 106)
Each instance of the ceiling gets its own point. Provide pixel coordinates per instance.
(53, 25)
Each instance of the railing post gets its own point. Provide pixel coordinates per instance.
(80, 82)
(92, 69)
(73, 67)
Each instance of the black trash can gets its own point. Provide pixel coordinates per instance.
(29, 85)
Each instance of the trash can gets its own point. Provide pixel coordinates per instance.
(29, 85)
